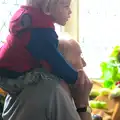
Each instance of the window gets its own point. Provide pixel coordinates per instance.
(99, 31)
(7, 9)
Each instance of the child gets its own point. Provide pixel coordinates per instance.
(32, 43)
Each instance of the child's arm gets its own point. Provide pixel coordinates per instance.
(43, 46)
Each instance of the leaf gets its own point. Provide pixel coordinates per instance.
(108, 84)
(106, 71)
(115, 51)
(114, 73)
(111, 69)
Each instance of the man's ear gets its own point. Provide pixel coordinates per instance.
(61, 46)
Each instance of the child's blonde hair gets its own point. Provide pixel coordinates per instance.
(44, 5)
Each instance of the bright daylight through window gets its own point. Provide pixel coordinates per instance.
(7, 8)
(99, 31)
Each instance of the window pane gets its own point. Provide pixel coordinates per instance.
(8, 7)
(99, 31)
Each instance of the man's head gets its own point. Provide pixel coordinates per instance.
(59, 10)
(71, 50)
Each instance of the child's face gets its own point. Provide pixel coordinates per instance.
(61, 11)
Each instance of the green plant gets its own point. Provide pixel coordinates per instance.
(111, 69)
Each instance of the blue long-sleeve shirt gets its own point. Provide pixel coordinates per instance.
(43, 46)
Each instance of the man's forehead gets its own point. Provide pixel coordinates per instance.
(75, 45)
(70, 45)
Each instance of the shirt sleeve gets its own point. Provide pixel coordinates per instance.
(43, 46)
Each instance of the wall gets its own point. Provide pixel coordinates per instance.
(72, 27)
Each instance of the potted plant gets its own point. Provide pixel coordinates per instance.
(111, 69)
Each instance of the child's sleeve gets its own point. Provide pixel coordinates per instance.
(43, 46)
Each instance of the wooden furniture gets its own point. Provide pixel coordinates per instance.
(113, 105)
